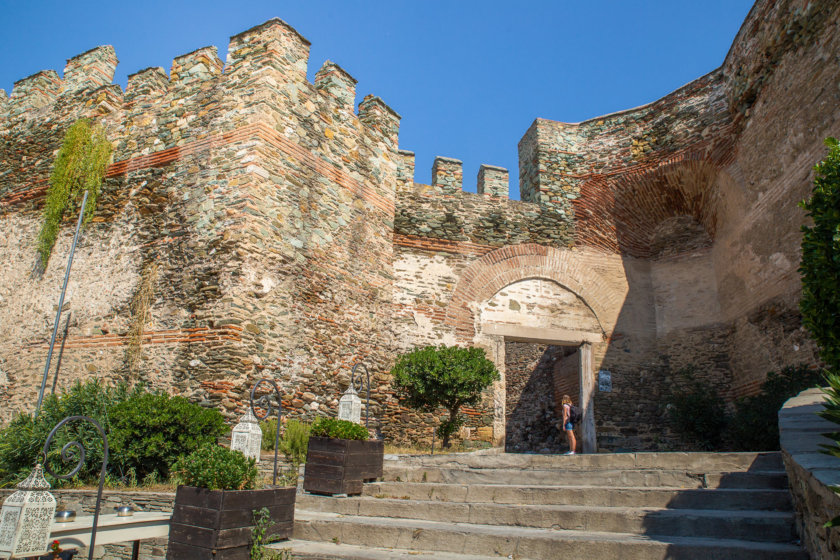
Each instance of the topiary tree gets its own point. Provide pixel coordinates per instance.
(820, 266)
(445, 376)
(79, 166)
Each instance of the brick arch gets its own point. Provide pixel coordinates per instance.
(620, 212)
(484, 277)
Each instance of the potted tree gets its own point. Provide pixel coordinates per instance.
(215, 506)
(340, 457)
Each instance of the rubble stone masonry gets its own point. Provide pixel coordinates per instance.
(291, 239)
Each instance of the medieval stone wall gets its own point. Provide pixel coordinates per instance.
(290, 239)
(697, 192)
(264, 201)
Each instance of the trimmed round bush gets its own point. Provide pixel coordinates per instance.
(216, 468)
(150, 431)
(339, 429)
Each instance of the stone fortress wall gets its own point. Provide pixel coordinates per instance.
(290, 238)
(675, 225)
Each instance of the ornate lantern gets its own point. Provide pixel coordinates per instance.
(247, 436)
(350, 405)
(27, 517)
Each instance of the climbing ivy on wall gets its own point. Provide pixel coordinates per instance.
(79, 166)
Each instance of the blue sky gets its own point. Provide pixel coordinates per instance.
(468, 77)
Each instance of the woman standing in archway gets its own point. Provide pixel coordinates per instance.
(569, 423)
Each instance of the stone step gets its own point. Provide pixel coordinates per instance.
(338, 550)
(526, 543)
(722, 498)
(768, 526)
(701, 462)
(583, 477)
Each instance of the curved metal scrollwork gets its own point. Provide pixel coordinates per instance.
(264, 402)
(353, 384)
(75, 450)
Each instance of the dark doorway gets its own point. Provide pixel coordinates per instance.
(536, 377)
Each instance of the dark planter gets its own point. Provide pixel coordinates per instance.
(340, 466)
(218, 524)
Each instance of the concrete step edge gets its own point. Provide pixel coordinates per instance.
(514, 532)
(567, 508)
(342, 551)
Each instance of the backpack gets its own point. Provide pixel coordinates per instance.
(574, 414)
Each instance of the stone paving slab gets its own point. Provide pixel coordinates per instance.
(652, 460)
(310, 549)
(527, 543)
(598, 477)
(696, 498)
(770, 526)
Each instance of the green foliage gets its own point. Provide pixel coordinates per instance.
(339, 429)
(80, 166)
(820, 270)
(260, 537)
(831, 411)
(755, 424)
(294, 439)
(269, 431)
(820, 266)
(22, 440)
(697, 413)
(699, 417)
(445, 376)
(151, 430)
(216, 468)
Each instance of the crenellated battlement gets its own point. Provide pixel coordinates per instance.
(493, 181)
(90, 70)
(274, 45)
(336, 83)
(146, 84)
(271, 55)
(200, 65)
(34, 92)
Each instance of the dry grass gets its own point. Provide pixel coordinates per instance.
(140, 315)
(456, 447)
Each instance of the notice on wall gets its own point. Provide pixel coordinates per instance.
(604, 381)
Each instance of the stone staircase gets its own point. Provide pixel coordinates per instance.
(629, 506)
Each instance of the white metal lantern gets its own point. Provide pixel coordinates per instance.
(350, 405)
(247, 436)
(27, 517)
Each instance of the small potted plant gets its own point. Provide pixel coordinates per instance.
(213, 517)
(57, 553)
(340, 457)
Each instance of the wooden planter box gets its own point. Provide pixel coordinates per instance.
(217, 524)
(340, 466)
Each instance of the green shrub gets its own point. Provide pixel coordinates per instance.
(820, 265)
(340, 429)
(697, 414)
(831, 411)
(293, 440)
(446, 376)
(269, 430)
(216, 468)
(755, 423)
(22, 440)
(151, 430)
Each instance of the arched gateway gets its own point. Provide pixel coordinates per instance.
(533, 293)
